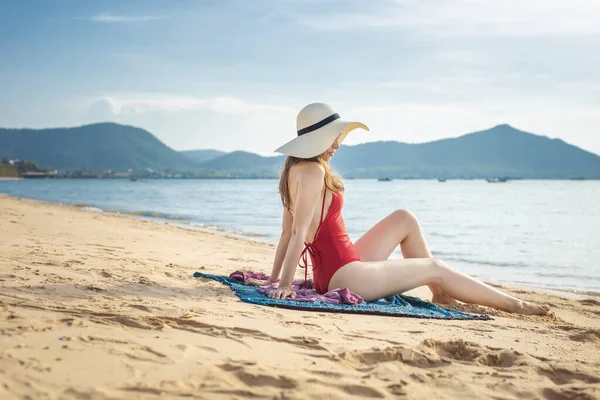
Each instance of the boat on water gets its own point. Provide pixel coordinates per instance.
(497, 180)
(441, 180)
(384, 179)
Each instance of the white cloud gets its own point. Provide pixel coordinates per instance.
(111, 18)
(188, 122)
(468, 17)
(100, 111)
(423, 122)
(139, 103)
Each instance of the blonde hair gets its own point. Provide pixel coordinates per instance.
(332, 181)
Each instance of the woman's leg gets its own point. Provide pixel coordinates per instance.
(399, 228)
(376, 280)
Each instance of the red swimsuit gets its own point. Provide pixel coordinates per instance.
(331, 248)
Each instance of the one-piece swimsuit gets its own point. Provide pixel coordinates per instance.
(331, 247)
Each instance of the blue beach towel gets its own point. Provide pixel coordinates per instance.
(396, 306)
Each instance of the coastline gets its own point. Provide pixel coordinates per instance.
(100, 306)
(153, 216)
(181, 222)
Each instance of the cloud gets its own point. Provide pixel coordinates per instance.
(188, 122)
(139, 103)
(111, 18)
(467, 17)
(100, 111)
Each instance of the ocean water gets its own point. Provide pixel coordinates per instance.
(538, 234)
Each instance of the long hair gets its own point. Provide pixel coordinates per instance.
(332, 181)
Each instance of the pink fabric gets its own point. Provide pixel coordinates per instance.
(303, 292)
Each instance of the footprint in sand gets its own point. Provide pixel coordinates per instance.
(363, 391)
(105, 274)
(563, 376)
(258, 378)
(589, 302)
(140, 307)
(435, 353)
(94, 288)
(586, 335)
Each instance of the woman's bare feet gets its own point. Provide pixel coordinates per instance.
(526, 308)
(442, 299)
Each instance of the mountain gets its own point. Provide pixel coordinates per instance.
(103, 146)
(244, 163)
(499, 151)
(200, 156)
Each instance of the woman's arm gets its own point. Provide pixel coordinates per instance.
(310, 183)
(284, 240)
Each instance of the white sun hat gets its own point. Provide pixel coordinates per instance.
(318, 125)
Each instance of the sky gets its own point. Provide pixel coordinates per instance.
(233, 74)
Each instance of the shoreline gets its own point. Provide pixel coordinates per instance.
(151, 216)
(100, 306)
(163, 218)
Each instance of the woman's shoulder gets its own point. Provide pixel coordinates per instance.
(308, 171)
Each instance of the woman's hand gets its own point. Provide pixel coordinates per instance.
(260, 282)
(282, 292)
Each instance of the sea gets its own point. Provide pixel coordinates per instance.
(529, 233)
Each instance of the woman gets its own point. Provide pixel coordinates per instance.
(313, 226)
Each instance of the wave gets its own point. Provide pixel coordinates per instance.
(580, 292)
(584, 277)
(516, 264)
(441, 253)
(561, 289)
(182, 220)
(224, 230)
(442, 235)
(151, 214)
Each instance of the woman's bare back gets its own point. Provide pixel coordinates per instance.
(293, 181)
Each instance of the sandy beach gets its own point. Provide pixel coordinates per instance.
(99, 306)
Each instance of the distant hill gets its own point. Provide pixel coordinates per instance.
(244, 163)
(104, 146)
(200, 156)
(500, 151)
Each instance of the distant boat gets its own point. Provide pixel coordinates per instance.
(384, 179)
(497, 180)
(133, 179)
(578, 178)
(441, 180)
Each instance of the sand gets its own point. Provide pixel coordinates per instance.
(99, 306)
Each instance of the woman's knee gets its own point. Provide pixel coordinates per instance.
(405, 217)
(438, 270)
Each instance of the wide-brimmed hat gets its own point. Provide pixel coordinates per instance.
(318, 125)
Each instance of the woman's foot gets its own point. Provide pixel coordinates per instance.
(526, 308)
(443, 299)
